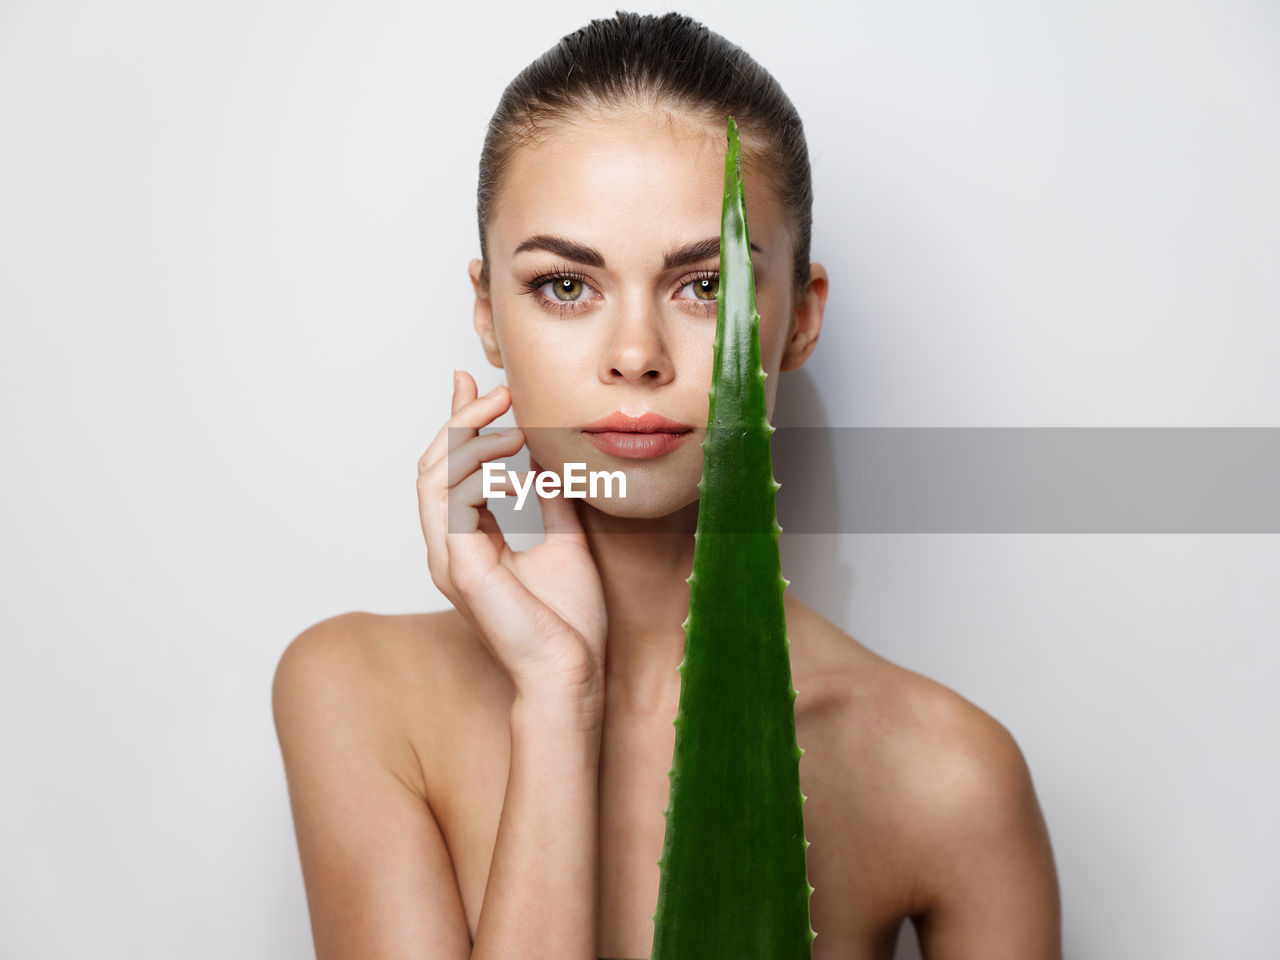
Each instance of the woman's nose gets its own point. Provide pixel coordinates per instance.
(637, 350)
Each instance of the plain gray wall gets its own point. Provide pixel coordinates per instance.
(233, 240)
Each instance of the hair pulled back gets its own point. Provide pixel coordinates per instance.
(668, 61)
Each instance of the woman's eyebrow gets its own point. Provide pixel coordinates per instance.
(694, 252)
(564, 248)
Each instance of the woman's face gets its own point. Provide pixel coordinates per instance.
(604, 253)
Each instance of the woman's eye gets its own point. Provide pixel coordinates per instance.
(567, 289)
(563, 292)
(705, 288)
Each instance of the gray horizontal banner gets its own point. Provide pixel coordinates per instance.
(1004, 480)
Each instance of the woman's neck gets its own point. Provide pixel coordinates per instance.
(643, 567)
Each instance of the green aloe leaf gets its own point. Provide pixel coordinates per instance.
(734, 882)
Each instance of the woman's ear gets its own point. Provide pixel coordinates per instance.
(483, 315)
(808, 320)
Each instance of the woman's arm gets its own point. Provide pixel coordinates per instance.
(987, 881)
(379, 879)
(541, 899)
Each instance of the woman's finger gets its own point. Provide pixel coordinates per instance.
(489, 524)
(460, 481)
(444, 508)
(467, 499)
(433, 505)
(468, 458)
(465, 423)
(464, 389)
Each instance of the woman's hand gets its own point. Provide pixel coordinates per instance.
(540, 612)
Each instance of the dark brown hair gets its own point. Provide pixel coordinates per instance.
(668, 61)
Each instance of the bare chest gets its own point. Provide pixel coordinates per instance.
(856, 907)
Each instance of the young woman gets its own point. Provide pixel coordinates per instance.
(490, 781)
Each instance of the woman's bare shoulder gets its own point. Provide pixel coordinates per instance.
(360, 650)
(390, 648)
(911, 711)
(395, 678)
(913, 760)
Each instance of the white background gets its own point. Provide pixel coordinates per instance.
(233, 241)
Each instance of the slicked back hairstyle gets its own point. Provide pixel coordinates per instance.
(667, 62)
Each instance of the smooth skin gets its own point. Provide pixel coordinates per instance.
(489, 781)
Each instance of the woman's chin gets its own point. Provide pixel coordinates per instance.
(654, 506)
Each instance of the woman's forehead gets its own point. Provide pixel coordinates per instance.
(643, 173)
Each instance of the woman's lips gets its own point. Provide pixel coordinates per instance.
(636, 446)
(637, 438)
